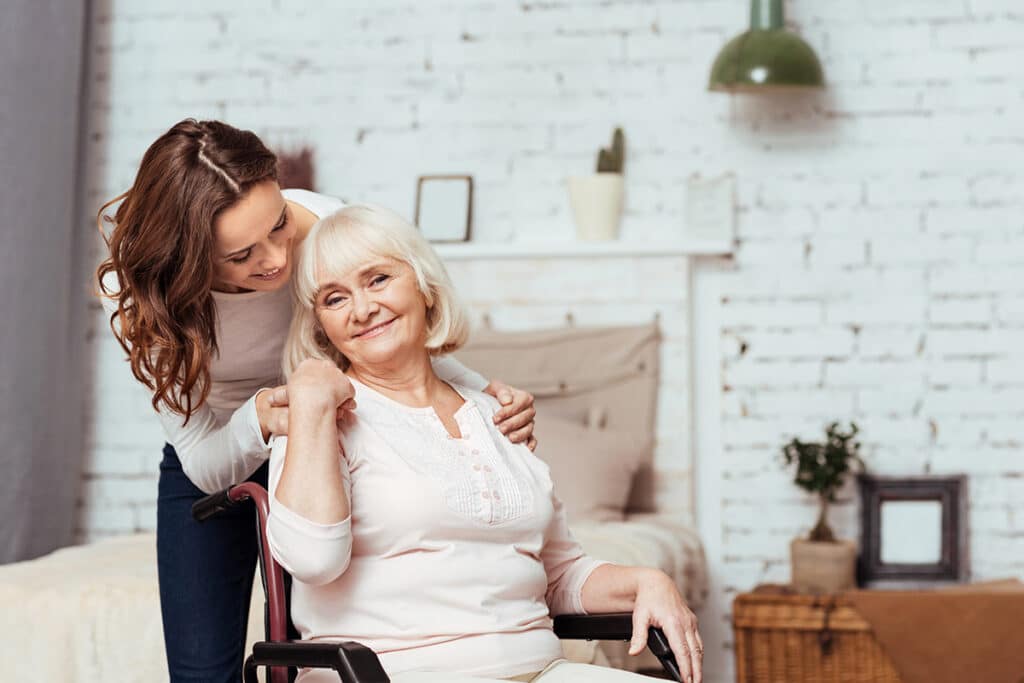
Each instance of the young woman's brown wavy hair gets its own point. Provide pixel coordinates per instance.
(161, 250)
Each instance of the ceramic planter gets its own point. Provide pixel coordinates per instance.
(823, 567)
(597, 202)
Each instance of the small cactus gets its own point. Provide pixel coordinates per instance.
(611, 160)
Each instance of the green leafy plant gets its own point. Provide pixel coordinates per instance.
(611, 159)
(822, 468)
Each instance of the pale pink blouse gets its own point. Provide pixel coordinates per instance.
(456, 551)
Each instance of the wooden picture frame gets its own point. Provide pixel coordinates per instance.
(937, 551)
(444, 207)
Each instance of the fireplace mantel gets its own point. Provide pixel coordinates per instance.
(464, 251)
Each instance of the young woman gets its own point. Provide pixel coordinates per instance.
(412, 526)
(201, 254)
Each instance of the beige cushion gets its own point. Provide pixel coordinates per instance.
(577, 372)
(592, 468)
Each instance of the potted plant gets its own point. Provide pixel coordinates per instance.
(597, 199)
(821, 563)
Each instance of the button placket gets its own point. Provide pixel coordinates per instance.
(463, 426)
(488, 458)
(486, 463)
(468, 453)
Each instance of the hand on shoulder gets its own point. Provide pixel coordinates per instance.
(515, 414)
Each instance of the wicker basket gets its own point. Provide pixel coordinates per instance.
(787, 638)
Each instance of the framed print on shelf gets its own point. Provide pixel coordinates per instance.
(444, 207)
(913, 531)
(711, 207)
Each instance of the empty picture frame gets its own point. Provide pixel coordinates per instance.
(913, 531)
(711, 207)
(444, 207)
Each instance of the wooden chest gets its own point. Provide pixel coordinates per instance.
(788, 638)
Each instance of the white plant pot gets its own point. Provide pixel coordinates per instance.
(596, 202)
(822, 567)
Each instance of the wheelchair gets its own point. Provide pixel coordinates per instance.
(283, 653)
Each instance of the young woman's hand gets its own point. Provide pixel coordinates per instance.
(314, 382)
(272, 411)
(658, 603)
(515, 417)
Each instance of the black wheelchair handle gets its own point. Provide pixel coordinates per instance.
(212, 505)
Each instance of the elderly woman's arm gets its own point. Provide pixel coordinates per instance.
(311, 552)
(566, 565)
(654, 600)
(309, 530)
(579, 584)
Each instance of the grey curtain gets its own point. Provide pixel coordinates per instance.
(41, 273)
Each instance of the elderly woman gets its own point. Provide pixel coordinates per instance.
(411, 525)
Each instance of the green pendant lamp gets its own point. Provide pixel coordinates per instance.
(767, 57)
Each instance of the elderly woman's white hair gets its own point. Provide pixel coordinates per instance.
(348, 238)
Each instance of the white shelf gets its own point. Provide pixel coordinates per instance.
(463, 251)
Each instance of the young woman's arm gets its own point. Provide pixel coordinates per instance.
(451, 370)
(214, 456)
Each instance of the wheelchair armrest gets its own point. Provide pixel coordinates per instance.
(354, 663)
(594, 626)
(615, 627)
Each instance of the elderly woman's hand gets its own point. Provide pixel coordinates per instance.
(658, 603)
(316, 384)
(515, 417)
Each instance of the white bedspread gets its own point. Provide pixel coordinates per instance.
(651, 540)
(92, 613)
(84, 613)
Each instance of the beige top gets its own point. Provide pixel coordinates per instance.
(454, 555)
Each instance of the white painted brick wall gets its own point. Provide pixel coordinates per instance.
(879, 270)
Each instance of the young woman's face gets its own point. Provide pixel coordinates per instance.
(375, 313)
(253, 242)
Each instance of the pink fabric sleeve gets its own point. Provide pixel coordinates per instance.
(312, 553)
(567, 566)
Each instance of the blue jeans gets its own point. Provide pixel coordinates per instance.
(206, 573)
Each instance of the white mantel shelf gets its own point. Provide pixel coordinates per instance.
(464, 251)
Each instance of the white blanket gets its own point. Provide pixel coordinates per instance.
(84, 613)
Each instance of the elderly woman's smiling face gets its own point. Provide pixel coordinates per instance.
(375, 313)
